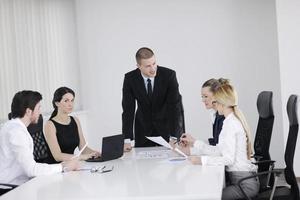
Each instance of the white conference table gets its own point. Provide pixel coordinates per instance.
(131, 178)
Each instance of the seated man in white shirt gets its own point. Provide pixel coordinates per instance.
(16, 145)
(233, 150)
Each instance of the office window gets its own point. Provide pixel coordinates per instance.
(38, 49)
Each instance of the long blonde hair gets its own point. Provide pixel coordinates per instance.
(227, 96)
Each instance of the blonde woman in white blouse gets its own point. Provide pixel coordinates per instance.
(233, 149)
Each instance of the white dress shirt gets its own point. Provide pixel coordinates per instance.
(212, 113)
(17, 164)
(231, 150)
(146, 81)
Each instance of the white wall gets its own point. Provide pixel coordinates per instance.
(199, 39)
(38, 50)
(288, 20)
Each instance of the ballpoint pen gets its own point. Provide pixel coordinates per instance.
(96, 169)
(178, 140)
(107, 170)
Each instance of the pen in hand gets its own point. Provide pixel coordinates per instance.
(182, 141)
(178, 141)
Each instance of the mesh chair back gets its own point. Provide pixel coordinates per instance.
(264, 128)
(291, 146)
(40, 147)
(40, 150)
(263, 136)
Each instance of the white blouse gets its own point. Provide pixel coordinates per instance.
(212, 113)
(231, 150)
(16, 154)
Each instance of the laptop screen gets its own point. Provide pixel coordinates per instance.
(112, 147)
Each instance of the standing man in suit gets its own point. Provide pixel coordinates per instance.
(155, 89)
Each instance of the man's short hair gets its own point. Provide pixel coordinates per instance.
(23, 100)
(143, 53)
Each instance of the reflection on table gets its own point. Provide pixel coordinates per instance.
(134, 176)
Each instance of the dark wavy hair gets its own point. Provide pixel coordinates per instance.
(58, 94)
(23, 100)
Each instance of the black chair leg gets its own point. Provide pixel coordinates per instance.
(3, 191)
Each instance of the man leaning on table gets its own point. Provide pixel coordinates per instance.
(155, 90)
(16, 145)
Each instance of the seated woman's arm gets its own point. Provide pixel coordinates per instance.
(227, 147)
(201, 148)
(191, 146)
(224, 153)
(87, 152)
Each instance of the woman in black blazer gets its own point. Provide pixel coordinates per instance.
(209, 87)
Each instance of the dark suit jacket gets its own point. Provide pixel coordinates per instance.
(217, 127)
(157, 116)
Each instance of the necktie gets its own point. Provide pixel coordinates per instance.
(149, 88)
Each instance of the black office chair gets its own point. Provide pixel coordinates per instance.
(180, 126)
(6, 188)
(263, 137)
(40, 146)
(40, 149)
(284, 192)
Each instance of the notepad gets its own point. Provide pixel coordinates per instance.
(80, 152)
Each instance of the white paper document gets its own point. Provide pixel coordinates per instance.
(153, 154)
(160, 140)
(163, 142)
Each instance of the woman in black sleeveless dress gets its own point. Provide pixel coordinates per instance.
(63, 132)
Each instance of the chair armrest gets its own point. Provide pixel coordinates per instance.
(278, 171)
(273, 171)
(264, 162)
(256, 157)
(248, 177)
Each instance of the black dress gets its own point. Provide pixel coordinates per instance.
(67, 138)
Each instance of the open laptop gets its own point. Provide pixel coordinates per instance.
(112, 148)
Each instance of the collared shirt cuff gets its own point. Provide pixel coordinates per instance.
(127, 140)
(196, 149)
(204, 160)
